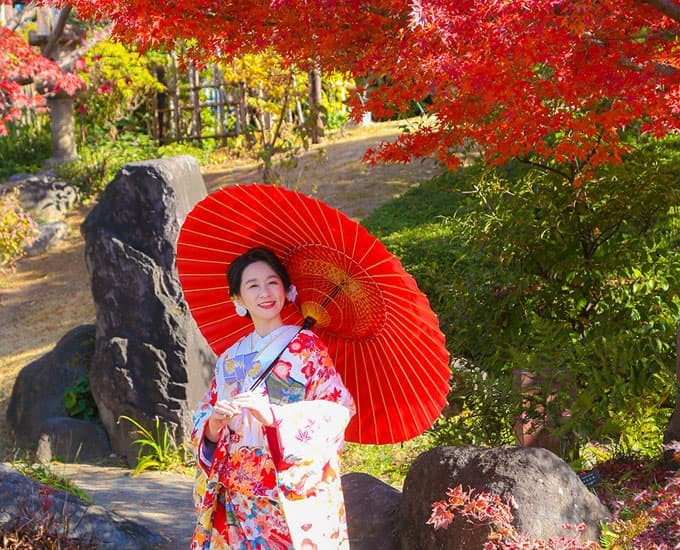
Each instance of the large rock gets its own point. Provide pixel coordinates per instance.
(150, 360)
(371, 507)
(23, 500)
(547, 491)
(38, 392)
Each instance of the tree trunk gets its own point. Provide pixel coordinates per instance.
(315, 119)
(195, 95)
(672, 432)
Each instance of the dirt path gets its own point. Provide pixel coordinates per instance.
(50, 294)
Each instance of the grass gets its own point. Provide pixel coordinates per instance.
(42, 473)
(389, 463)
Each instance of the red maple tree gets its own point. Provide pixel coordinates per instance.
(20, 64)
(550, 80)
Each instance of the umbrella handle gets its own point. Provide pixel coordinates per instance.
(308, 322)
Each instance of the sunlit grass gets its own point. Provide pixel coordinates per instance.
(389, 463)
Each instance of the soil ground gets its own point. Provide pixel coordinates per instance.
(48, 295)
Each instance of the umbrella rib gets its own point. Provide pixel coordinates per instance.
(425, 421)
(433, 335)
(441, 367)
(385, 407)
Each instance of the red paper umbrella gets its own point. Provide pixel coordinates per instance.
(378, 326)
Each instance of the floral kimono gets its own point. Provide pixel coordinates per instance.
(274, 487)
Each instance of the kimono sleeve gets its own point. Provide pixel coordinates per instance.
(311, 432)
(202, 453)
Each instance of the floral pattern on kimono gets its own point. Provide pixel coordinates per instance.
(244, 500)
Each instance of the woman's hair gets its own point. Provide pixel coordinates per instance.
(238, 266)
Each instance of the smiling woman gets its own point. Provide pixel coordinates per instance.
(269, 457)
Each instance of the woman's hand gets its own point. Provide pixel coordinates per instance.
(222, 413)
(258, 405)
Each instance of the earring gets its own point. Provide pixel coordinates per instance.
(292, 293)
(241, 311)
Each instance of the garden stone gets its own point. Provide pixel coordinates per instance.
(24, 500)
(547, 491)
(49, 234)
(44, 196)
(39, 388)
(371, 507)
(150, 361)
(71, 440)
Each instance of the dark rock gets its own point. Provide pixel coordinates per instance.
(371, 507)
(71, 440)
(547, 491)
(23, 500)
(39, 387)
(150, 360)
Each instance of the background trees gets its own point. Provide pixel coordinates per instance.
(570, 89)
(549, 80)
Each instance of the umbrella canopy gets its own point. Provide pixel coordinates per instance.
(378, 326)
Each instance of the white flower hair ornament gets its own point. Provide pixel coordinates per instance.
(291, 295)
(241, 311)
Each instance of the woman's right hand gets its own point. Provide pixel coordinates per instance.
(222, 412)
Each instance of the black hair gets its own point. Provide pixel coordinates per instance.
(238, 266)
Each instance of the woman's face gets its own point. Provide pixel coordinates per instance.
(263, 295)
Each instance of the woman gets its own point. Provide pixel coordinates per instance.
(268, 458)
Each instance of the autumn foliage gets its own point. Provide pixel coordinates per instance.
(554, 81)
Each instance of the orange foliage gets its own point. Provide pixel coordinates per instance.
(19, 63)
(551, 79)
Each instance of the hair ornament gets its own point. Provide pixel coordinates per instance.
(291, 295)
(241, 311)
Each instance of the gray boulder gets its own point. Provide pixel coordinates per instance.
(371, 507)
(49, 234)
(150, 360)
(71, 440)
(39, 388)
(25, 500)
(547, 491)
(46, 197)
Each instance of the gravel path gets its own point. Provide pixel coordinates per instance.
(161, 501)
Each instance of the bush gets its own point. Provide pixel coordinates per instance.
(79, 402)
(26, 147)
(16, 228)
(574, 288)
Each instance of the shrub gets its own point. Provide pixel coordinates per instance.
(120, 87)
(16, 229)
(26, 147)
(100, 161)
(573, 287)
(79, 402)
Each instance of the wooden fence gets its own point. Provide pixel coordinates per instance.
(179, 111)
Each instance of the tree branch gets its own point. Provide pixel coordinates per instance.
(56, 33)
(671, 8)
(67, 60)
